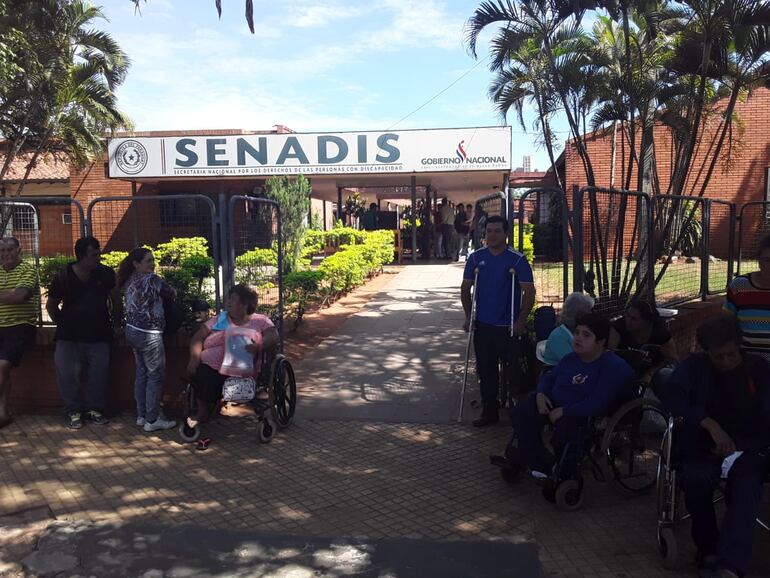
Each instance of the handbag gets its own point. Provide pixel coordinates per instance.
(239, 389)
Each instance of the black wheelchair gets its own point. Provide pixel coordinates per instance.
(274, 403)
(622, 447)
(671, 510)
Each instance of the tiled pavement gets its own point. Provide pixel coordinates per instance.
(333, 476)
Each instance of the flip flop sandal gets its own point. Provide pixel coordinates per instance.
(202, 444)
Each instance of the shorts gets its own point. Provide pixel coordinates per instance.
(15, 341)
(207, 383)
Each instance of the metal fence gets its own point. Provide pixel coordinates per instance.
(612, 232)
(253, 237)
(542, 227)
(681, 249)
(47, 228)
(753, 224)
(123, 223)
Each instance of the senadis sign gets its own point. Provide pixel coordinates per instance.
(433, 150)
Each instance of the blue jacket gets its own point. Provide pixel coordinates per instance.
(586, 389)
(738, 402)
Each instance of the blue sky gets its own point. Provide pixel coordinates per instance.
(313, 65)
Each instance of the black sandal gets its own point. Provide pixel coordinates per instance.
(202, 444)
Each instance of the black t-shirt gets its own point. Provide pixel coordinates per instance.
(85, 314)
(660, 336)
(734, 402)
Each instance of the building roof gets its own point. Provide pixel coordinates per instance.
(49, 167)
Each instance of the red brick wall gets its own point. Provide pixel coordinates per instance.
(742, 181)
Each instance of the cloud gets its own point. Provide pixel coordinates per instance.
(424, 23)
(317, 15)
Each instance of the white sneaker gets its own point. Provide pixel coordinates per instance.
(159, 424)
(139, 422)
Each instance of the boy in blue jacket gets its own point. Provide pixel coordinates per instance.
(585, 383)
(723, 398)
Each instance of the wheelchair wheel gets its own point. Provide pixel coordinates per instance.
(266, 431)
(282, 392)
(631, 445)
(667, 546)
(569, 495)
(189, 434)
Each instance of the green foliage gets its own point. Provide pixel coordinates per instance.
(529, 247)
(293, 197)
(316, 221)
(314, 242)
(349, 267)
(344, 236)
(256, 267)
(113, 259)
(188, 278)
(50, 267)
(200, 267)
(180, 248)
(301, 288)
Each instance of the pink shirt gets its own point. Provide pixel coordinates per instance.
(213, 353)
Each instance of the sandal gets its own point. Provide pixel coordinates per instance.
(193, 422)
(202, 444)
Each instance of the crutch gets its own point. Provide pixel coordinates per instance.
(507, 373)
(470, 341)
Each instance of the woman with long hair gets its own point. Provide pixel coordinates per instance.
(143, 294)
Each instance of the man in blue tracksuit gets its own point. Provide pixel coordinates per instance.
(723, 396)
(584, 384)
(491, 338)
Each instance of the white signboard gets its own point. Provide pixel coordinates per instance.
(408, 151)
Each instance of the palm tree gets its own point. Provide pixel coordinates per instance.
(561, 44)
(523, 79)
(218, 4)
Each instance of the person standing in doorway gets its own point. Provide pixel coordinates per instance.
(79, 302)
(447, 227)
(495, 288)
(461, 228)
(144, 293)
(19, 308)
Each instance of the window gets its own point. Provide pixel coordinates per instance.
(178, 212)
(66, 219)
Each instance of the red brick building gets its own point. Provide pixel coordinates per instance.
(740, 176)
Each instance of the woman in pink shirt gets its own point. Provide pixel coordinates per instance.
(207, 348)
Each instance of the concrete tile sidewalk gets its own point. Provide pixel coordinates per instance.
(375, 454)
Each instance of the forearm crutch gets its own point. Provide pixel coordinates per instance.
(471, 328)
(506, 373)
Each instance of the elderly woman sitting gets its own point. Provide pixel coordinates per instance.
(559, 342)
(207, 347)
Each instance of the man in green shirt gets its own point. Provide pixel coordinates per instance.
(19, 307)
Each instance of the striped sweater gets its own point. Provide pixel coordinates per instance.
(752, 307)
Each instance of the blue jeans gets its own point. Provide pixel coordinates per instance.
(71, 357)
(150, 356)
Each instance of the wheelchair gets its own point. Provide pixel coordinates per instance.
(622, 448)
(275, 410)
(670, 501)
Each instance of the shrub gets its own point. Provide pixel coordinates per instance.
(293, 197)
(50, 268)
(301, 288)
(179, 248)
(256, 266)
(113, 258)
(344, 236)
(187, 278)
(349, 267)
(529, 248)
(313, 242)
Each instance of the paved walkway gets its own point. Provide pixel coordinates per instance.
(399, 359)
(374, 469)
